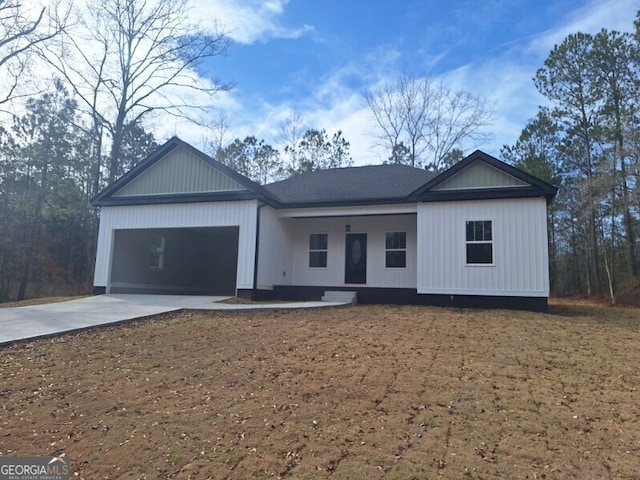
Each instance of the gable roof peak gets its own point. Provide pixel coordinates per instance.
(106, 197)
(531, 186)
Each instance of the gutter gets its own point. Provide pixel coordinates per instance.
(255, 260)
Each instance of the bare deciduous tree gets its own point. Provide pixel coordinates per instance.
(384, 105)
(19, 34)
(135, 57)
(292, 131)
(427, 119)
(219, 127)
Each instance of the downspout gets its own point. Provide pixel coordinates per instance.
(255, 261)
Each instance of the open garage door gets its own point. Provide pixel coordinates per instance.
(190, 261)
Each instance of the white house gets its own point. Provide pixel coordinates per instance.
(181, 222)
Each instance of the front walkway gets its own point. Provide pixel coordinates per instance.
(22, 323)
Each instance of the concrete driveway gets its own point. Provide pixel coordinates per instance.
(21, 323)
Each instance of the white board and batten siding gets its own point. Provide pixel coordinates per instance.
(520, 250)
(186, 215)
(333, 275)
(274, 251)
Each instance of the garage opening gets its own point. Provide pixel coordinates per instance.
(188, 261)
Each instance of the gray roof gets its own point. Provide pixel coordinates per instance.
(354, 184)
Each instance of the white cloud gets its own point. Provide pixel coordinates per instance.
(336, 104)
(247, 21)
(348, 115)
(591, 18)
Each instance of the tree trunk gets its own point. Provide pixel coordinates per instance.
(630, 240)
(36, 223)
(114, 157)
(25, 270)
(592, 240)
(595, 254)
(96, 141)
(610, 268)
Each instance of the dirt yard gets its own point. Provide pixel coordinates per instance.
(352, 392)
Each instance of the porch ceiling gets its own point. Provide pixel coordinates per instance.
(366, 210)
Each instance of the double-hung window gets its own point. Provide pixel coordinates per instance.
(396, 249)
(318, 250)
(479, 242)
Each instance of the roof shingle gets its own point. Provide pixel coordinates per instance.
(353, 184)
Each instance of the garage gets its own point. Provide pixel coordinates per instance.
(189, 261)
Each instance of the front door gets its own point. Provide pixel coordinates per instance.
(355, 267)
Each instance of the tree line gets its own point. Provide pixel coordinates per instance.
(586, 141)
(311, 150)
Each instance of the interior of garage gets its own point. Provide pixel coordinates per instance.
(188, 261)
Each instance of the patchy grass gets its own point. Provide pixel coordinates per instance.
(351, 392)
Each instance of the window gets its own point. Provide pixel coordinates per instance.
(396, 250)
(318, 250)
(479, 242)
(156, 252)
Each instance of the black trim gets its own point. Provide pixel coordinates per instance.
(393, 296)
(255, 259)
(256, 295)
(178, 198)
(409, 296)
(244, 293)
(482, 194)
(534, 304)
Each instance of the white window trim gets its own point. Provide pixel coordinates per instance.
(395, 269)
(493, 244)
(326, 250)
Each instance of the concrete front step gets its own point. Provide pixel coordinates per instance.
(340, 296)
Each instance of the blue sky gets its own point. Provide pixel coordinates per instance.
(318, 56)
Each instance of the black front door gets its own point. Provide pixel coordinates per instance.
(355, 267)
